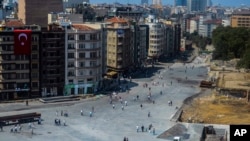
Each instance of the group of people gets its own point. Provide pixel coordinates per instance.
(143, 129)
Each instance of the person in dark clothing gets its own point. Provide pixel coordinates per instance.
(142, 128)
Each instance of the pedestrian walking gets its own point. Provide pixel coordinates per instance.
(161, 92)
(113, 106)
(142, 128)
(137, 128)
(64, 123)
(81, 112)
(126, 103)
(148, 114)
(90, 114)
(123, 108)
(137, 97)
(141, 106)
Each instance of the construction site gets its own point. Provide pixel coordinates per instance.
(224, 97)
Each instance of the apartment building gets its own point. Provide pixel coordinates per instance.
(173, 38)
(19, 74)
(83, 59)
(119, 45)
(36, 11)
(52, 56)
(240, 18)
(156, 38)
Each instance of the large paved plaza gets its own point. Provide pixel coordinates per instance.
(177, 82)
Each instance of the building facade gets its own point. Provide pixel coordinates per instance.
(83, 60)
(52, 60)
(156, 38)
(36, 11)
(196, 5)
(19, 74)
(240, 19)
(119, 45)
(173, 38)
(180, 2)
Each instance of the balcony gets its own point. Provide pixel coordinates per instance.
(119, 58)
(119, 50)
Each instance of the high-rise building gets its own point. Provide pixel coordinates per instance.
(180, 2)
(156, 2)
(196, 5)
(36, 11)
(144, 2)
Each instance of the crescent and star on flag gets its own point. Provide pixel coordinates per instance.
(22, 35)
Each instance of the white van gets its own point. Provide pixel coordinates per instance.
(177, 138)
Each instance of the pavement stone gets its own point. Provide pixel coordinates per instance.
(108, 124)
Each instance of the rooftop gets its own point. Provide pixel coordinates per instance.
(117, 20)
(13, 23)
(82, 27)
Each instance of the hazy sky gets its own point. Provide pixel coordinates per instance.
(234, 3)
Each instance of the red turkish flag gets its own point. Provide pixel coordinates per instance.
(22, 42)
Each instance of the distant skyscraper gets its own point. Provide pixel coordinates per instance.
(144, 2)
(156, 2)
(180, 2)
(196, 5)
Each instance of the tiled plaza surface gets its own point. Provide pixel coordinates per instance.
(108, 124)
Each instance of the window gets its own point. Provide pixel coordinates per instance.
(70, 81)
(34, 75)
(93, 54)
(34, 66)
(81, 55)
(71, 64)
(70, 55)
(71, 46)
(94, 45)
(93, 37)
(71, 37)
(35, 84)
(82, 37)
(34, 47)
(92, 63)
(34, 56)
(89, 79)
(81, 46)
(80, 73)
(81, 64)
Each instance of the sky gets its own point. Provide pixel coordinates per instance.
(232, 3)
